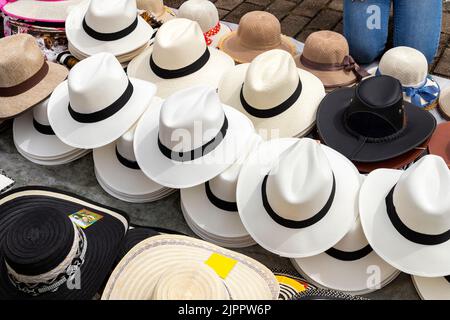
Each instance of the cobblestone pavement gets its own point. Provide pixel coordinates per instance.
(301, 17)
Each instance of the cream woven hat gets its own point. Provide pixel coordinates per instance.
(444, 103)
(432, 288)
(107, 26)
(258, 32)
(406, 216)
(211, 208)
(410, 67)
(179, 58)
(157, 9)
(45, 11)
(83, 118)
(190, 139)
(348, 266)
(296, 197)
(276, 95)
(170, 267)
(25, 77)
(207, 16)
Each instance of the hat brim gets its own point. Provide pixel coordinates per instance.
(330, 79)
(210, 74)
(440, 142)
(231, 45)
(432, 288)
(349, 276)
(54, 161)
(388, 243)
(187, 174)
(444, 103)
(224, 30)
(13, 106)
(298, 119)
(41, 11)
(103, 237)
(132, 278)
(287, 242)
(332, 131)
(28, 139)
(98, 134)
(90, 46)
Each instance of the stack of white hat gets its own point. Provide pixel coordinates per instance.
(107, 26)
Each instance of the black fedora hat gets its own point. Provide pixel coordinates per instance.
(55, 245)
(372, 122)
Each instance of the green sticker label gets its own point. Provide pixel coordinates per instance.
(85, 218)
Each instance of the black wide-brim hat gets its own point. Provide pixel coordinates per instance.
(333, 131)
(35, 229)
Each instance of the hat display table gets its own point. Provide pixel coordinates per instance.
(79, 177)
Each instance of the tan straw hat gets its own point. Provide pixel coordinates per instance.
(25, 77)
(326, 55)
(157, 9)
(172, 267)
(258, 32)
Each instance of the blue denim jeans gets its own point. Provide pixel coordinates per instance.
(417, 24)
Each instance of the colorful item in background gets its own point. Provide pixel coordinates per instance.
(290, 285)
(211, 33)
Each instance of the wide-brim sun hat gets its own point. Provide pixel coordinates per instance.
(404, 215)
(372, 122)
(98, 26)
(322, 188)
(440, 142)
(66, 236)
(179, 267)
(432, 288)
(26, 79)
(190, 138)
(179, 58)
(83, 119)
(277, 97)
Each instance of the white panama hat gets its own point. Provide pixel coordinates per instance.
(172, 267)
(410, 67)
(296, 197)
(406, 216)
(156, 8)
(179, 58)
(432, 288)
(211, 207)
(351, 266)
(117, 169)
(83, 118)
(206, 14)
(112, 26)
(190, 138)
(274, 94)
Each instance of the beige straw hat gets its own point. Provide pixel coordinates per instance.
(258, 31)
(25, 77)
(172, 267)
(326, 55)
(157, 9)
(444, 103)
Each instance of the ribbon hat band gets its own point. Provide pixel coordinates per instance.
(109, 36)
(349, 255)
(27, 84)
(127, 163)
(44, 129)
(219, 203)
(348, 64)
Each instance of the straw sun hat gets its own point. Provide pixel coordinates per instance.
(172, 267)
(25, 77)
(157, 9)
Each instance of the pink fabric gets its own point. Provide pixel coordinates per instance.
(4, 2)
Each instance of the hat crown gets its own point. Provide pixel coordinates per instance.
(354, 240)
(259, 30)
(406, 64)
(20, 59)
(190, 118)
(124, 144)
(326, 47)
(38, 241)
(98, 73)
(109, 16)
(178, 43)
(302, 182)
(154, 6)
(271, 79)
(202, 11)
(40, 113)
(421, 196)
(376, 110)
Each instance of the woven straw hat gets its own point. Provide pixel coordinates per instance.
(156, 8)
(25, 77)
(326, 55)
(172, 267)
(258, 31)
(444, 103)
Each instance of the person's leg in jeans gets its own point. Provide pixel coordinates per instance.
(417, 24)
(366, 25)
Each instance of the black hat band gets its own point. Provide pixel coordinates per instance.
(127, 163)
(109, 36)
(42, 128)
(219, 203)
(182, 72)
(349, 255)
